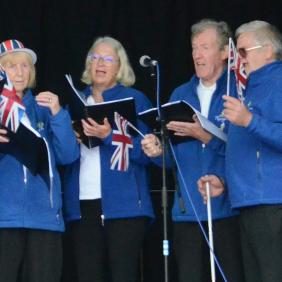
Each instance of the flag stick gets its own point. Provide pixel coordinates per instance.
(210, 231)
(137, 130)
(228, 67)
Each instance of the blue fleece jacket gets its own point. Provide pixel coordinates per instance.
(196, 159)
(25, 199)
(124, 194)
(254, 154)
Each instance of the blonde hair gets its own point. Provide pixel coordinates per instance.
(125, 74)
(8, 58)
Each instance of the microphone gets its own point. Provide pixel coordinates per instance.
(145, 61)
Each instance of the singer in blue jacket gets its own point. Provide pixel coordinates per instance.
(31, 220)
(108, 209)
(254, 152)
(200, 156)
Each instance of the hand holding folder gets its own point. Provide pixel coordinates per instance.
(179, 111)
(80, 110)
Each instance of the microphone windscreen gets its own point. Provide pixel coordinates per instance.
(145, 61)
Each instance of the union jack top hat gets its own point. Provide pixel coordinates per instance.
(13, 45)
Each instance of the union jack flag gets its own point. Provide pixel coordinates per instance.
(11, 107)
(234, 63)
(121, 139)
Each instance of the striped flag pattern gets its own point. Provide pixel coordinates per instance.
(121, 139)
(11, 108)
(234, 63)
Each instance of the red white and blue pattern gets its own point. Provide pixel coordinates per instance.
(234, 63)
(10, 45)
(121, 139)
(13, 45)
(11, 108)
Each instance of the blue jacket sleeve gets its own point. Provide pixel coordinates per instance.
(217, 145)
(266, 123)
(63, 139)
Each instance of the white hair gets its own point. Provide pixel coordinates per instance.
(264, 34)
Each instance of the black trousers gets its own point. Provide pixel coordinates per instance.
(30, 255)
(108, 251)
(261, 239)
(193, 256)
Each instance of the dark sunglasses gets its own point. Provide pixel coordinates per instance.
(244, 51)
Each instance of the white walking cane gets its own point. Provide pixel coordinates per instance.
(210, 231)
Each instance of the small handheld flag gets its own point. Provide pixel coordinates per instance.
(235, 64)
(121, 139)
(11, 107)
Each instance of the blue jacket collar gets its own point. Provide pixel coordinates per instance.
(220, 85)
(27, 95)
(107, 94)
(28, 99)
(262, 72)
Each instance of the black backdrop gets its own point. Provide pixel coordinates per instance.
(61, 32)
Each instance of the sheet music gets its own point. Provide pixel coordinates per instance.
(211, 127)
(79, 94)
(206, 123)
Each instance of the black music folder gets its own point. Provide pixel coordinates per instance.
(179, 111)
(28, 148)
(80, 110)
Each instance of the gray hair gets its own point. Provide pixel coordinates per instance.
(222, 29)
(125, 74)
(264, 34)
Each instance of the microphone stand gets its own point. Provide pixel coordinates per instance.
(163, 135)
(166, 148)
(164, 202)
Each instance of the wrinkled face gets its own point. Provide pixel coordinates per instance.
(18, 69)
(209, 60)
(104, 66)
(254, 58)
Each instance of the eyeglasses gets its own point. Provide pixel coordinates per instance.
(243, 52)
(107, 60)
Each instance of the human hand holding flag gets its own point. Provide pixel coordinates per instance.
(120, 157)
